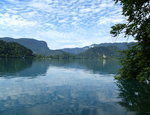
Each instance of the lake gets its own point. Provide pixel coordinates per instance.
(69, 87)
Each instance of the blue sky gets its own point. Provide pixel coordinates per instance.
(61, 23)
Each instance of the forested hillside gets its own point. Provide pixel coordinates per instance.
(14, 50)
(109, 51)
(95, 52)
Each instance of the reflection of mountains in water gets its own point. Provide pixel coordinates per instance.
(33, 68)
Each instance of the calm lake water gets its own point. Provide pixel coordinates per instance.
(69, 87)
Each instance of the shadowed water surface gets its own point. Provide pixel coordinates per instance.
(68, 87)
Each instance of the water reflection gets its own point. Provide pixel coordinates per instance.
(73, 99)
(10, 66)
(68, 87)
(135, 96)
(22, 67)
(32, 68)
(95, 65)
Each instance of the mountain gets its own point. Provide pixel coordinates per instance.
(38, 47)
(41, 48)
(103, 50)
(93, 52)
(108, 51)
(74, 50)
(121, 46)
(14, 50)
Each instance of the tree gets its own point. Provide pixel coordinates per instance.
(14, 50)
(136, 63)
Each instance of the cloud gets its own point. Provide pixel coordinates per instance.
(62, 23)
(15, 21)
(43, 6)
(110, 20)
(80, 12)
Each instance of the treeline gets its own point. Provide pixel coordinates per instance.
(95, 52)
(14, 50)
(58, 56)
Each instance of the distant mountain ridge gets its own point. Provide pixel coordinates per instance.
(38, 47)
(41, 48)
(121, 46)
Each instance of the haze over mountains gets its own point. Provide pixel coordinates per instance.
(41, 48)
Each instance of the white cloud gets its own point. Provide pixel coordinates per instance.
(62, 23)
(106, 5)
(85, 10)
(110, 20)
(63, 20)
(41, 6)
(15, 21)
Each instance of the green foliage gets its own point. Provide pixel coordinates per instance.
(136, 62)
(38, 56)
(137, 14)
(117, 29)
(145, 73)
(14, 50)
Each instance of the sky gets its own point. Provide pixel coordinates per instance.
(61, 23)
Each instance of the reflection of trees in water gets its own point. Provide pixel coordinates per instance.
(14, 65)
(135, 96)
(107, 66)
(23, 67)
(39, 67)
(33, 68)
